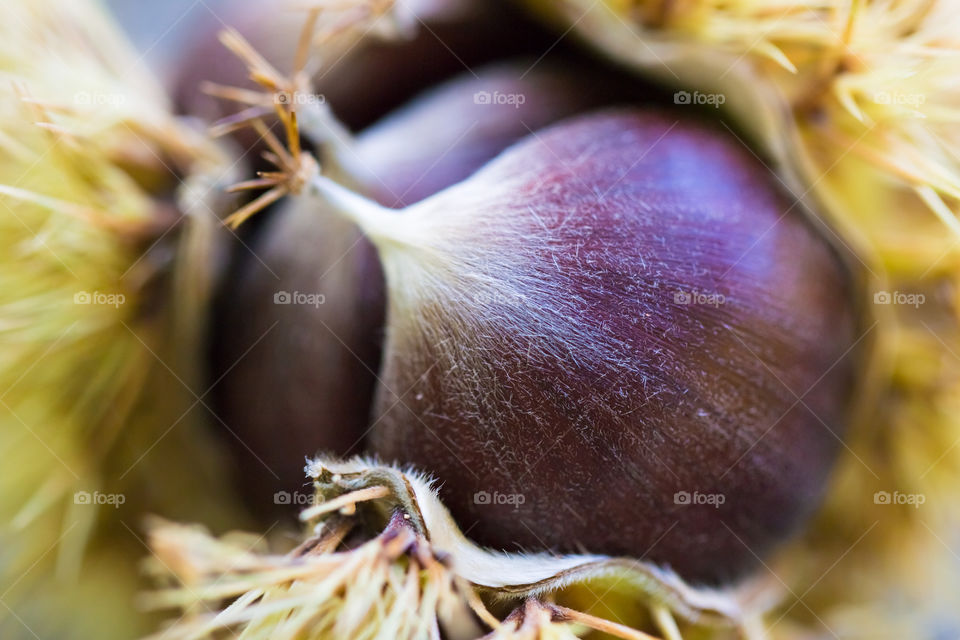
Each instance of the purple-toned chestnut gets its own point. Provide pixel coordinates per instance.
(300, 322)
(619, 336)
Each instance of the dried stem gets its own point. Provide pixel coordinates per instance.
(564, 614)
(345, 501)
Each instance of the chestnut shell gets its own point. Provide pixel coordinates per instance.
(609, 415)
(294, 380)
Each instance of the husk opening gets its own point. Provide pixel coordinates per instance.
(880, 179)
(884, 178)
(383, 558)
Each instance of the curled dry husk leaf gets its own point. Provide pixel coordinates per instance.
(856, 105)
(95, 391)
(383, 559)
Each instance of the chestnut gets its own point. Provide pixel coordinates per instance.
(299, 320)
(619, 336)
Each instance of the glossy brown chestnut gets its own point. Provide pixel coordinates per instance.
(619, 336)
(296, 374)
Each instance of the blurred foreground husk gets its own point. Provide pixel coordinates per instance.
(95, 403)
